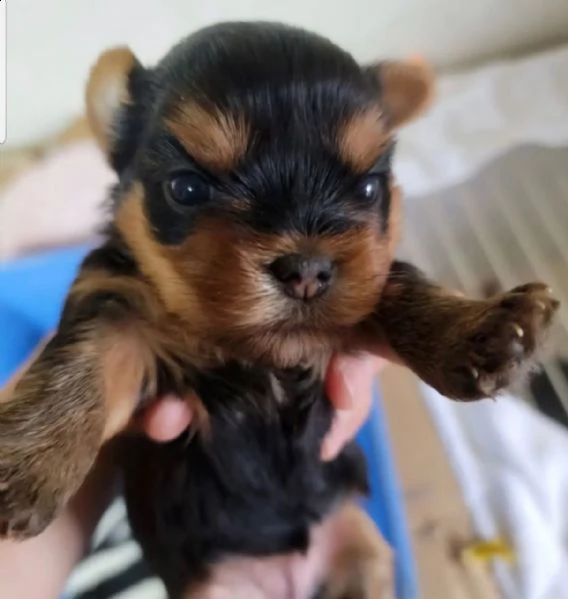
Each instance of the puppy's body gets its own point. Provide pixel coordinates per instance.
(249, 482)
(252, 485)
(253, 233)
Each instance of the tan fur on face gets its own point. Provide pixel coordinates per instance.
(363, 138)
(155, 260)
(233, 279)
(107, 91)
(216, 140)
(227, 270)
(218, 284)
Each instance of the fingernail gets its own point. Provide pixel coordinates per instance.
(347, 379)
(329, 449)
(326, 450)
(334, 439)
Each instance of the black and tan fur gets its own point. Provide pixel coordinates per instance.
(283, 130)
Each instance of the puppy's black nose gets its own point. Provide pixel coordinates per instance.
(303, 277)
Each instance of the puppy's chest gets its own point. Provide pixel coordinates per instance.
(259, 434)
(246, 392)
(273, 420)
(248, 483)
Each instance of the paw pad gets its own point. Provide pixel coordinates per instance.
(503, 336)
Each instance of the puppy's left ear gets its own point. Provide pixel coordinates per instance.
(407, 88)
(113, 111)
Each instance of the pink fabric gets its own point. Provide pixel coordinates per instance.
(58, 201)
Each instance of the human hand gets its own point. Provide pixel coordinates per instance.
(349, 386)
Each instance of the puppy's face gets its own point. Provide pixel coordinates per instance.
(255, 176)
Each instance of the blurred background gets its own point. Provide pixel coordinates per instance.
(483, 487)
(52, 44)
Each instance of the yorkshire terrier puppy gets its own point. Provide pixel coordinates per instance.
(253, 234)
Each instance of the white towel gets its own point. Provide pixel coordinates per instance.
(481, 114)
(512, 465)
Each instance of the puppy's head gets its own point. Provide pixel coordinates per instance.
(255, 178)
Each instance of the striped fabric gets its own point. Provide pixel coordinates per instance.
(115, 568)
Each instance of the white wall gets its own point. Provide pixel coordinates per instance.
(51, 43)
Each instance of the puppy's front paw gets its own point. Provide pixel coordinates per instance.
(44, 458)
(35, 483)
(500, 341)
(26, 506)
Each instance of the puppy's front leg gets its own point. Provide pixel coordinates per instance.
(466, 349)
(79, 391)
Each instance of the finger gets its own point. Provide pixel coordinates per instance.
(349, 386)
(166, 419)
(345, 425)
(349, 377)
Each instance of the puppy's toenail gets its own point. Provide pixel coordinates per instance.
(518, 330)
(541, 305)
(475, 373)
(487, 387)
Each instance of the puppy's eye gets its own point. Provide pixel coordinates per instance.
(188, 189)
(370, 188)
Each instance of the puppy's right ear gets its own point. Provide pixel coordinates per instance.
(407, 88)
(113, 111)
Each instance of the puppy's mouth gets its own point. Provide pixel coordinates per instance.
(312, 309)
